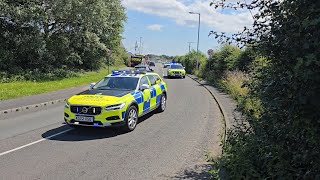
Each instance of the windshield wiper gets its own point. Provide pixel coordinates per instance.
(103, 88)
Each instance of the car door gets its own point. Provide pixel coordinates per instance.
(153, 92)
(159, 89)
(145, 105)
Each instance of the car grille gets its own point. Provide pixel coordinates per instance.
(89, 110)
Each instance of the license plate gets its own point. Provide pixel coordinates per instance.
(84, 119)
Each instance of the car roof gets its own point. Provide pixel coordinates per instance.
(140, 66)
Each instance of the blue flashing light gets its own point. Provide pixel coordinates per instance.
(95, 124)
(119, 72)
(124, 72)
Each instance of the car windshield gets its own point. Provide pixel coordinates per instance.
(140, 67)
(117, 83)
(176, 67)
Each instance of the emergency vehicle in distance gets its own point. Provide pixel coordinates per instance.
(138, 59)
(174, 70)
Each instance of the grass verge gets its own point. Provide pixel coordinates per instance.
(232, 83)
(27, 88)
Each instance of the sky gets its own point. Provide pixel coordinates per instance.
(166, 26)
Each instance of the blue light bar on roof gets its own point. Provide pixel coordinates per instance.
(118, 72)
(124, 72)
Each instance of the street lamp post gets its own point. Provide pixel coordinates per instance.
(198, 38)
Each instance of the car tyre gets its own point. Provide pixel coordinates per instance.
(163, 103)
(131, 119)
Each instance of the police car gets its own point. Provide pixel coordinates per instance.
(119, 99)
(175, 70)
(142, 67)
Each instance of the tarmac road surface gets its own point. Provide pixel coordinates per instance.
(35, 144)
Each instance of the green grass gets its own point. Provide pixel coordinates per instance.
(232, 82)
(27, 88)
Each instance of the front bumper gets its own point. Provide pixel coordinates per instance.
(176, 74)
(104, 119)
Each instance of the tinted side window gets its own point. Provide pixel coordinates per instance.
(144, 80)
(152, 80)
(157, 78)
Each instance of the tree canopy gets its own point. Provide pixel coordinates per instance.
(48, 37)
(283, 143)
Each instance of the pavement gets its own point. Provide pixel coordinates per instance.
(36, 144)
(227, 105)
(35, 101)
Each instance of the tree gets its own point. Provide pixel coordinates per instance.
(44, 36)
(283, 142)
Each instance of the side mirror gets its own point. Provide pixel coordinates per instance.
(91, 86)
(144, 87)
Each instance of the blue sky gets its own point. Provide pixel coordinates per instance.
(166, 26)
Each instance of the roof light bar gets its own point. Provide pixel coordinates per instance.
(121, 72)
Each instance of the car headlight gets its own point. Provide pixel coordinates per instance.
(115, 107)
(67, 105)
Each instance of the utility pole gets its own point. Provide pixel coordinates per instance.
(190, 45)
(136, 47)
(140, 45)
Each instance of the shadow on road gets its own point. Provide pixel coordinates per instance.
(82, 133)
(87, 133)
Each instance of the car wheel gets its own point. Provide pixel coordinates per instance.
(131, 119)
(184, 77)
(163, 103)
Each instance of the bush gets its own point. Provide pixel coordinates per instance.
(233, 81)
(189, 61)
(282, 142)
(35, 48)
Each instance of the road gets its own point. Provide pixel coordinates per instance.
(168, 145)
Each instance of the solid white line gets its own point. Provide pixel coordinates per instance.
(35, 142)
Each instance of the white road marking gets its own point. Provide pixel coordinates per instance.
(35, 142)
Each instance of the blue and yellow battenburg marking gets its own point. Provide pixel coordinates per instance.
(147, 100)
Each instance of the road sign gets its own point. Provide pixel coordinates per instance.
(109, 52)
(210, 52)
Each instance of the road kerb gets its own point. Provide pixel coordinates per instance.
(32, 106)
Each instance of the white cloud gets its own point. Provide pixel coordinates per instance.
(155, 27)
(178, 11)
